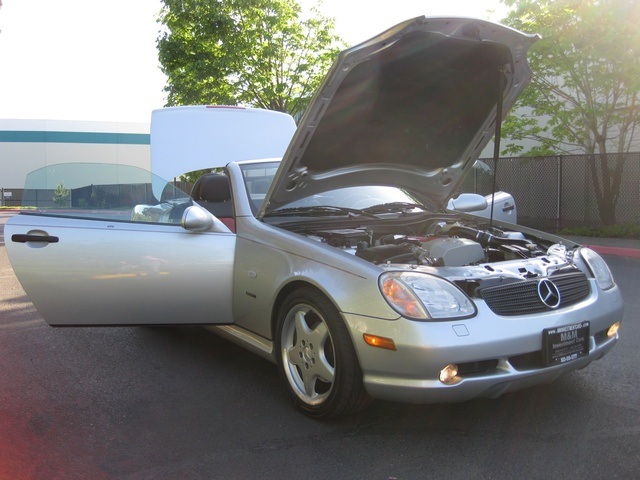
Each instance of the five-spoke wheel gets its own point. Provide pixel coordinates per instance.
(316, 356)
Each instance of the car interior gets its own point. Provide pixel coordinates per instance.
(213, 192)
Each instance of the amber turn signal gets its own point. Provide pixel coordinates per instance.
(380, 342)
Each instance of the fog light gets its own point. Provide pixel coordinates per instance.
(613, 330)
(448, 374)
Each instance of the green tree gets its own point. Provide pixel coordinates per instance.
(258, 53)
(62, 195)
(585, 93)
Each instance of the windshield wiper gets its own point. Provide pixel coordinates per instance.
(392, 207)
(319, 211)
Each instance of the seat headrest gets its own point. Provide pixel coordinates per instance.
(212, 187)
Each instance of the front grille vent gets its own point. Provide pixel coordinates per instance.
(521, 298)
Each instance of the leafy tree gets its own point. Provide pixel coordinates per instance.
(62, 195)
(585, 93)
(258, 53)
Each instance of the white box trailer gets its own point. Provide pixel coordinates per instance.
(184, 139)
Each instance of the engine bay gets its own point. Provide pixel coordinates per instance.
(445, 244)
(467, 254)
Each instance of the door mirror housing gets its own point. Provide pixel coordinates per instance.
(468, 202)
(196, 219)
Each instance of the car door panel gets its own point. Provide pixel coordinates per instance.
(95, 272)
(504, 207)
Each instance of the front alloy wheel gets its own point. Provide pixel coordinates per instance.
(316, 357)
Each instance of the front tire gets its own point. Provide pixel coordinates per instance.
(316, 357)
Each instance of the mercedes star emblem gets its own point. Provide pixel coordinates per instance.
(549, 293)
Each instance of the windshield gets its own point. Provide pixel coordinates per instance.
(358, 198)
(258, 178)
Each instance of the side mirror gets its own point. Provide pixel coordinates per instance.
(468, 202)
(196, 219)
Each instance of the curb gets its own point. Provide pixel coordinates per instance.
(618, 251)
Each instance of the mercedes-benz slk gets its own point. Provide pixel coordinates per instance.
(335, 257)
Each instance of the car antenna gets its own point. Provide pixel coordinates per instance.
(496, 141)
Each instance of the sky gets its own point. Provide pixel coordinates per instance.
(97, 60)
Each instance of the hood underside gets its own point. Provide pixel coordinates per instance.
(412, 108)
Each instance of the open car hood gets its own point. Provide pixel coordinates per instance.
(413, 107)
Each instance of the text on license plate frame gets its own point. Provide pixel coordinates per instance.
(564, 344)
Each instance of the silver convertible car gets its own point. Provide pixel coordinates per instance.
(328, 248)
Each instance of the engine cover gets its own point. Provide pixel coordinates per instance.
(454, 252)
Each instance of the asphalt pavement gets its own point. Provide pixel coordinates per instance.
(134, 403)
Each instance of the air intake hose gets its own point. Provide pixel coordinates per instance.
(485, 238)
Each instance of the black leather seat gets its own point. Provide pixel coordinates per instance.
(213, 192)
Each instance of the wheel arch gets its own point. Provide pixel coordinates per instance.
(345, 402)
(285, 291)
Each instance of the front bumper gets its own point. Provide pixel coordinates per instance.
(502, 379)
(499, 354)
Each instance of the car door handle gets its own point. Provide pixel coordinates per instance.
(24, 238)
(508, 208)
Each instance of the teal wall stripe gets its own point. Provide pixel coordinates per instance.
(74, 137)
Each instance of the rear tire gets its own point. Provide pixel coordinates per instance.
(316, 358)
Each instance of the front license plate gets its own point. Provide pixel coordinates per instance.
(565, 344)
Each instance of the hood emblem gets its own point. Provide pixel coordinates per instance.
(549, 293)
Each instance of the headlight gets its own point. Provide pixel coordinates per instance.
(598, 268)
(422, 297)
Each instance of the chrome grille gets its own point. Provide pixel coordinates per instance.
(521, 298)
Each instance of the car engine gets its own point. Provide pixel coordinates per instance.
(466, 254)
(450, 244)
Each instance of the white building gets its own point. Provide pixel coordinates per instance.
(27, 145)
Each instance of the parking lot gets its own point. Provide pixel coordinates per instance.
(166, 403)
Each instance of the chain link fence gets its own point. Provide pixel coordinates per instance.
(557, 192)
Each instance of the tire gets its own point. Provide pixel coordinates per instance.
(316, 358)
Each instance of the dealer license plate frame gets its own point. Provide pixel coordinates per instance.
(566, 343)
